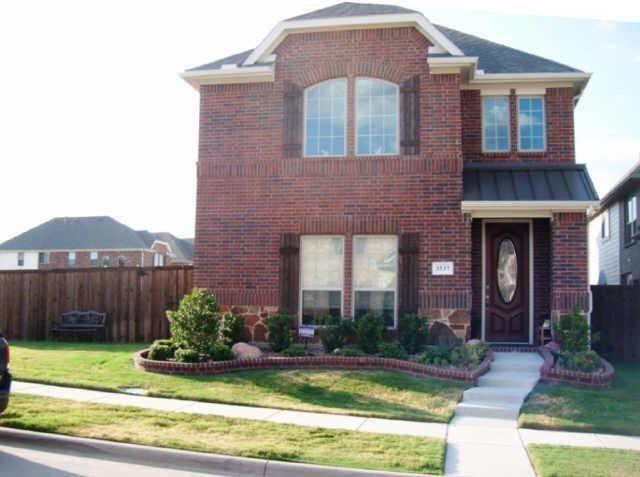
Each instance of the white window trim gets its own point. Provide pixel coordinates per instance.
(495, 96)
(632, 209)
(301, 289)
(46, 258)
(606, 224)
(75, 259)
(544, 121)
(18, 259)
(353, 274)
(355, 109)
(304, 118)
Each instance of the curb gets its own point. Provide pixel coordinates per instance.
(179, 459)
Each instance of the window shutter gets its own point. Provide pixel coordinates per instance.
(408, 279)
(289, 272)
(410, 93)
(292, 120)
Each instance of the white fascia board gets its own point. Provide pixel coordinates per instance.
(452, 61)
(282, 29)
(528, 77)
(522, 208)
(249, 74)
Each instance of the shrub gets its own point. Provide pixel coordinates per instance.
(435, 356)
(392, 350)
(160, 352)
(572, 332)
(168, 343)
(449, 342)
(369, 332)
(585, 361)
(333, 331)
(279, 327)
(196, 322)
(352, 352)
(220, 352)
(293, 351)
(413, 332)
(187, 355)
(231, 329)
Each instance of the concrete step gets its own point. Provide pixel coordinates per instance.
(496, 395)
(488, 409)
(517, 365)
(518, 357)
(483, 422)
(509, 379)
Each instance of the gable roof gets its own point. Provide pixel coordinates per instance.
(94, 233)
(625, 186)
(492, 57)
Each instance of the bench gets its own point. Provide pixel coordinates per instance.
(80, 322)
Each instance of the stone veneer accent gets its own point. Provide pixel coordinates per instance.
(312, 362)
(550, 374)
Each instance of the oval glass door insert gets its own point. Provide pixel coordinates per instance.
(507, 270)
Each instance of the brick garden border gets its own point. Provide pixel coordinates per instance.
(602, 379)
(313, 362)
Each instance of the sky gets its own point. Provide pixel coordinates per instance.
(94, 119)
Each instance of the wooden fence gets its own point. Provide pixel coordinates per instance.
(616, 317)
(135, 299)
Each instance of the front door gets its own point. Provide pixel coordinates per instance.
(507, 282)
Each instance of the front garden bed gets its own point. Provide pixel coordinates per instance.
(550, 372)
(324, 362)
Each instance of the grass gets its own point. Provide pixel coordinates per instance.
(563, 461)
(613, 411)
(109, 367)
(237, 437)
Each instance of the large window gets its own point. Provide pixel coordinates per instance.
(322, 273)
(375, 270)
(325, 107)
(495, 124)
(376, 117)
(531, 127)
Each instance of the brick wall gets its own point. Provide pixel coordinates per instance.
(248, 194)
(559, 126)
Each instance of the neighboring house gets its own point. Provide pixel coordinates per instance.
(362, 159)
(619, 238)
(80, 242)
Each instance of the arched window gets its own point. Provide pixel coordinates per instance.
(325, 112)
(377, 113)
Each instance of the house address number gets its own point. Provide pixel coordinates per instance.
(442, 268)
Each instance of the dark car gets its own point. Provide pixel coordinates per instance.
(5, 375)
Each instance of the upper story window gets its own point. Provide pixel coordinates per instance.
(122, 261)
(531, 124)
(106, 261)
(495, 124)
(325, 107)
(605, 232)
(21, 259)
(377, 115)
(631, 224)
(321, 276)
(71, 259)
(43, 258)
(158, 260)
(93, 258)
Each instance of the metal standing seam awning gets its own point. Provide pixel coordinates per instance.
(527, 189)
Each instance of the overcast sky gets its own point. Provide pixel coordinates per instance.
(94, 119)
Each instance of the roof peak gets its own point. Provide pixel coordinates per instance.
(352, 9)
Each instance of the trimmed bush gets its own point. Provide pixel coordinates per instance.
(196, 322)
(333, 331)
(392, 350)
(585, 361)
(414, 330)
(369, 332)
(572, 332)
(160, 352)
(221, 352)
(279, 327)
(351, 352)
(436, 356)
(187, 355)
(231, 329)
(293, 351)
(168, 343)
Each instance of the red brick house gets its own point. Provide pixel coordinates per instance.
(361, 158)
(84, 242)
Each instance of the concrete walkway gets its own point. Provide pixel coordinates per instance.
(313, 419)
(483, 437)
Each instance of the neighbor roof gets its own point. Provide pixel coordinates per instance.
(527, 182)
(626, 185)
(182, 249)
(492, 57)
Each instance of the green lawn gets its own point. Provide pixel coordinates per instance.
(613, 411)
(563, 461)
(238, 437)
(362, 393)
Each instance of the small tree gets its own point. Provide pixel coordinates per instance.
(195, 324)
(369, 332)
(231, 330)
(279, 327)
(333, 331)
(572, 332)
(413, 332)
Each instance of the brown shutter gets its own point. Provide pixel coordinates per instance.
(289, 272)
(410, 93)
(292, 120)
(408, 279)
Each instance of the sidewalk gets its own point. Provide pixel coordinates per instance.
(313, 419)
